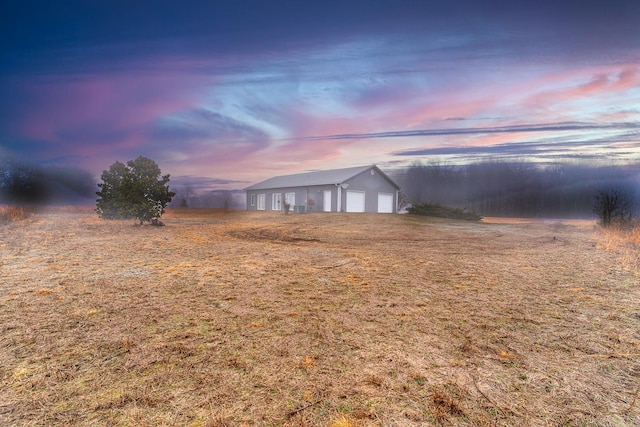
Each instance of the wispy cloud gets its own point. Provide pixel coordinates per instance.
(245, 90)
(201, 183)
(615, 146)
(527, 128)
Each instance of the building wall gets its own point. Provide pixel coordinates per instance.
(314, 194)
(371, 184)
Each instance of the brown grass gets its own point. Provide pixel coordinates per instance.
(229, 319)
(623, 239)
(13, 214)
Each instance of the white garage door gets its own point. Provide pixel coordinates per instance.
(355, 201)
(385, 203)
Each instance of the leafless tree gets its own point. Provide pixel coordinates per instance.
(612, 204)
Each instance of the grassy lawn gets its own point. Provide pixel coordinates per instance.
(228, 319)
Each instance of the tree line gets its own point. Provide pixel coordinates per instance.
(187, 197)
(23, 182)
(519, 189)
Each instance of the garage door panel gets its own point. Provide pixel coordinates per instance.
(355, 201)
(385, 203)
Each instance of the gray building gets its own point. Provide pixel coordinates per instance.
(358, 189)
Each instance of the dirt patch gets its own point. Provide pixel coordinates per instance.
(272, 234)
(231, 318)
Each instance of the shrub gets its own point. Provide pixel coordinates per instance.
(135, 190)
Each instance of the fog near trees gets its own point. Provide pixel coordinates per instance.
(26, 183)
(23, 182)
(187, 197)
(490, 188)
(518, 189)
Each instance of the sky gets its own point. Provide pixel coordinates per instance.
(223, 94)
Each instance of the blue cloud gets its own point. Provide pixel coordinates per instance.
(529, 128)
(199, 124)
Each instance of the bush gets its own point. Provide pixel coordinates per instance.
(135, 190)
(433, 209)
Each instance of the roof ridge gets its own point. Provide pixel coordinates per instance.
(303, 179)
(325, 170)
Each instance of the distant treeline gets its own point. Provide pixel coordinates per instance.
(22, 182)
(26, 183)
(215, 199)
(521, 189)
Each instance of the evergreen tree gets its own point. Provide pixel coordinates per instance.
(135, 190)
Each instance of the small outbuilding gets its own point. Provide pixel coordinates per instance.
(357, 189)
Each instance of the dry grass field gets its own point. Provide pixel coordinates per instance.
(342, 320)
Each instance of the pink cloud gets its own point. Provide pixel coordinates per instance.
(293, 150)
(622, 116)
(603, 82)
(508, 99)
(95, 114)
(629, 78)
(516, 98)
(102, 116)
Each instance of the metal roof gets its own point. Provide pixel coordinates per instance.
(335, 176)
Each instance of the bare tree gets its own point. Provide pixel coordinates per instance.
(403, 201)
(184, 196)
(612, 204)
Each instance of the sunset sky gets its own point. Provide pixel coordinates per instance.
(227, 93)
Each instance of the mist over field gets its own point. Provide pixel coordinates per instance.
(490, 188)
(24, 182)
(518, 189)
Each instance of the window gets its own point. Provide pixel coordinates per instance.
(290, 198)
(261, 200)
(253, 200)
